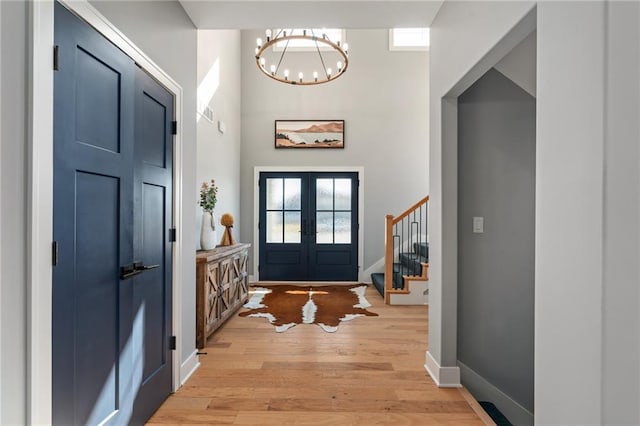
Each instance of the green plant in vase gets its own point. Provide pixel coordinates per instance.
(208, 200)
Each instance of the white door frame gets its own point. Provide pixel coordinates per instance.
(40, 197)
(256, 208)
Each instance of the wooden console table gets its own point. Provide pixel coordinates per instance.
(221, 287)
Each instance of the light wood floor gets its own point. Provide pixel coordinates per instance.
(369, 372)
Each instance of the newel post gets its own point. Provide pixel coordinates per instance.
(388, 257)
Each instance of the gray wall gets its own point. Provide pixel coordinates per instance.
(13, 198)
(520, 64)
(496, 178)
(164, 32)
(382, 98)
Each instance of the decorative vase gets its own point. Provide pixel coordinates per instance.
(208, 236)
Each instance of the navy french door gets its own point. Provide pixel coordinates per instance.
(113, 150)
(308, 226)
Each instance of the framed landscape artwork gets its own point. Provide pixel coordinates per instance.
(303, 134)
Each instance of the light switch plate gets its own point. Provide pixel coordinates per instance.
(221, 126)
(478, 224)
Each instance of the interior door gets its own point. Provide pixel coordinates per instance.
(111, 316)
(308, 227)
(152, 290)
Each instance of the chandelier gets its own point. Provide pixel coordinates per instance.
(270, 56)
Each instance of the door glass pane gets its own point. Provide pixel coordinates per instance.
(324, 228)
(343, 228)
(324, 194)
(274, 194)
(292, 227)
(292, 194)
(274, 227)
(343, 194)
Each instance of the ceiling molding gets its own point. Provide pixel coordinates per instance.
(354, 14)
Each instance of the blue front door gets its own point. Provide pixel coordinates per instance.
(308, 226)
(112, 186)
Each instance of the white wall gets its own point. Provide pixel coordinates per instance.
(520, 64)
(218, 154)
(13, 193)
(464, 39)
(587, 198)
(588, 215)
(163, 32)
(569, 216)
(383, 99)
(621, 296)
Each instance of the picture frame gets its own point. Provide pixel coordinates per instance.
(309, 134)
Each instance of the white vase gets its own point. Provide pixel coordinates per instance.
(208, 235)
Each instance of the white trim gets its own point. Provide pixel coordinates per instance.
(40, 207)
(1, 232)
(256, 207)
(189, 366)
(40, 213)
(445, 377)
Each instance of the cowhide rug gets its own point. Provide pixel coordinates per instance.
(288, 305)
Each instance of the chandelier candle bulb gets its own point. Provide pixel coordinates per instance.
(346, 48)
(321, 42)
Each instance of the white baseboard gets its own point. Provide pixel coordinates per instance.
(417, 297)
(377, 267)
(483, 390)
(189, 367)
(445, 377)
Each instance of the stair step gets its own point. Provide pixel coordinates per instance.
(378, 282)
(398, 271)
(413, 261)
(422, 249)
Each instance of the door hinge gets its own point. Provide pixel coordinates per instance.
(56, 57)
(54, 253)
(172, 343)
(172, 235)
(174, 127)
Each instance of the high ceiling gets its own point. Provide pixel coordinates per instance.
(260, 14)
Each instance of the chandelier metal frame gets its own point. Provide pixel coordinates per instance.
(282, 36)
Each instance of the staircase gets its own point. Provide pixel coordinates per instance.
(404, 281)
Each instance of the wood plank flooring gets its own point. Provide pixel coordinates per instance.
(369, 372)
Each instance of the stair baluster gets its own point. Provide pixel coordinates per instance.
(406, 248)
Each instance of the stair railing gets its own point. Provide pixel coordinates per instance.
(401, 233)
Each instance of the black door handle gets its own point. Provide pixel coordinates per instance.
(139, 266)
(133, 269)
